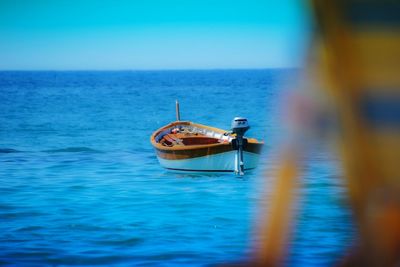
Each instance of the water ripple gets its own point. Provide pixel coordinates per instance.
(73, 150)
(8, 150)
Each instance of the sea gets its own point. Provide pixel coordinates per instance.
(80, 184)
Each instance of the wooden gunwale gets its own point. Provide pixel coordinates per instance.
(160, 146)
(193, 151)
(201, 152)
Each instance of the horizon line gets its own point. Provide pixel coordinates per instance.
(134, 70)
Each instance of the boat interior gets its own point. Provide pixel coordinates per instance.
(189, 135)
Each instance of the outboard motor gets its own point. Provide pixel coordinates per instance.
(239, 127)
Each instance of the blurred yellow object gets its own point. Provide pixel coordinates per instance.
(271, 249)
(355, 60)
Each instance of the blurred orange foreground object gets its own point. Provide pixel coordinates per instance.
(274, 234)
(357, 52)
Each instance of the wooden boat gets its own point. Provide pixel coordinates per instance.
(188, 146)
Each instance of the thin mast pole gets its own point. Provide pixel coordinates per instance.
(178, 115)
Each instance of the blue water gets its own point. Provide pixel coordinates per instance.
(80, 183)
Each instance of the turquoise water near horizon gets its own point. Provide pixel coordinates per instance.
(80, 183)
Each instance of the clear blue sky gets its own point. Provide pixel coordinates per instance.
(150, 34)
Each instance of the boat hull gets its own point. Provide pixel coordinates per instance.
(221, 162)
(187, 146)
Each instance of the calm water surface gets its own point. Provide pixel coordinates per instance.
(80, 183)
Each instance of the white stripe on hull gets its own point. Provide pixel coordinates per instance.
(216, 162)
